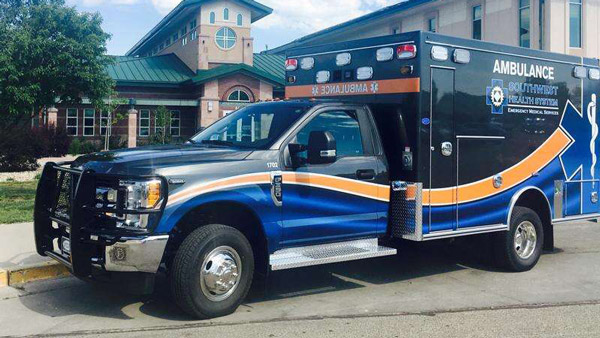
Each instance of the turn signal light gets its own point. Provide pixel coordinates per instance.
(406, 52)
(153, 193)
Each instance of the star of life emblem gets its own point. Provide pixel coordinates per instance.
(315, 90)
(496, 96)
(374, 87)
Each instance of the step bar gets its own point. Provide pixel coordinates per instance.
(328, 253)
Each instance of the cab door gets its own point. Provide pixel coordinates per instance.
(442, 190)
(335, 201)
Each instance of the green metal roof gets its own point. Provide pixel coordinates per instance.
(163, 69)
(272, 64)
(259, 11)
(171, 71)
(227, 70)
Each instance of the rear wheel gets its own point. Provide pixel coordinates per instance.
(520, 248)
(212, 271)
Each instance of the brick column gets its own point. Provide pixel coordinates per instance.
(132, 128)
(52, 116)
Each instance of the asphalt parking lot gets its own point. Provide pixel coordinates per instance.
(426, 290)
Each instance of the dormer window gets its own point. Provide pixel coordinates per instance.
(226, 14)
(240, 20)
(212, 18)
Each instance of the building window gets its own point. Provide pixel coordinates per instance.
(194, 35)
(226, 14)
(193, 24)
(477, 15)
(225, 38)
(238, 95)
(541, 21)
(396, 30)
(175, 123)
(144, 123)
(105, 123)
(183, 31)
(213, 18)
(184, 41)
(175, 37)
(575, 23)
(432, 25)
(240, 20)
(72, 121)
(524, 23)
(161, 47)
(89, 120)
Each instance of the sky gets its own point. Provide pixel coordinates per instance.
(129, 20)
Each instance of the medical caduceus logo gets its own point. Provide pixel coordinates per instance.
(579, 159)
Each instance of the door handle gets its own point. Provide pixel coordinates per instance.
(446, 148)
(368, 174)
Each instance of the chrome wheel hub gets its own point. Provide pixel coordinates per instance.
(221, 273)
(525, 239)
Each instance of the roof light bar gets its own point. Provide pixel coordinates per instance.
(364, 73)
(385, 54)
(439, 53)
(323, 76)
(462, 56)
(407, 52)
(343, 59)
(291, 64)
(307, 63)
(594, 74)
(580, 72)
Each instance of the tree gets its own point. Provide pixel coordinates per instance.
(112, 105)
(163, 126)
(49, 51)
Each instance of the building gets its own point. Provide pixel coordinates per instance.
(561, 26)
(198, 62)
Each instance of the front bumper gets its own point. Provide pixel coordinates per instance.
(136, 254)
(72, 230)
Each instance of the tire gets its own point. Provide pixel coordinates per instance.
(522, 255)
(195, 273)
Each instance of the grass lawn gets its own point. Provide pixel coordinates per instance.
(16, 201)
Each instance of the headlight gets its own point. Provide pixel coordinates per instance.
(139, 196)
(133, 196)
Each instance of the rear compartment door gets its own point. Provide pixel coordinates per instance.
(442, 192)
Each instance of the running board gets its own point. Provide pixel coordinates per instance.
(328, 253)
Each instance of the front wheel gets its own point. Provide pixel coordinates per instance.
(212, 271)
(520, 248)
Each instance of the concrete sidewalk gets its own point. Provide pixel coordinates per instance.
(19, 261)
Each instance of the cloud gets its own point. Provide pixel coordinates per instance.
(309, 16)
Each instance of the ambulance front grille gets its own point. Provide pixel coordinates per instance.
(406, 211)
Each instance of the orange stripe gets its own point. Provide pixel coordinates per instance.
(524, 170)
(334, 183)
(396, 86)
(259, 178)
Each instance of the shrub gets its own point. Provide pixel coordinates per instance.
(75, 147)
(52, 141)
(19, 149)
(88, 147)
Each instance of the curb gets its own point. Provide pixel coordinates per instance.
(48, 270)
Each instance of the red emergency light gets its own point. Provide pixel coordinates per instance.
(291, 64)
(406, 52)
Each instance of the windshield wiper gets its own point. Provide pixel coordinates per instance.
(218, 143)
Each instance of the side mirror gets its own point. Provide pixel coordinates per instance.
(322, 148)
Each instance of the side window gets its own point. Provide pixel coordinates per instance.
(344, 127)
